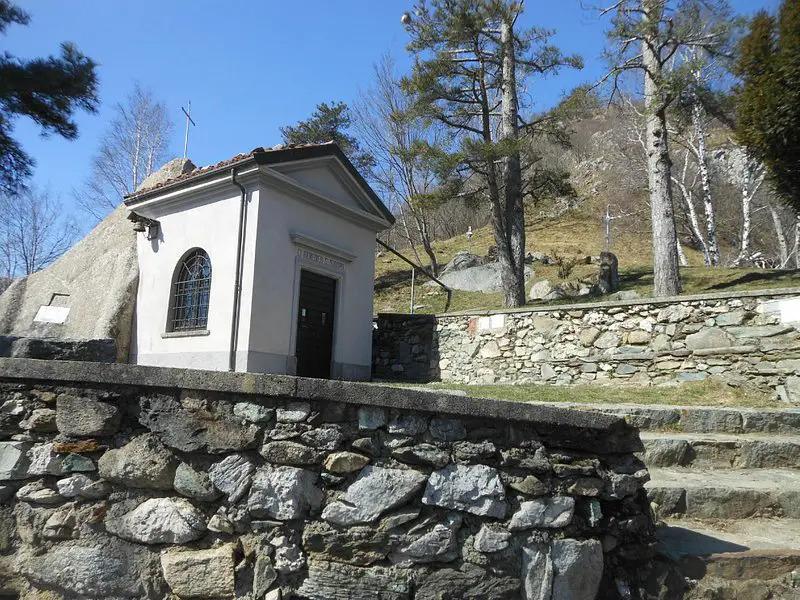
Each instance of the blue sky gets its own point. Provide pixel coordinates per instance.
(247, 67)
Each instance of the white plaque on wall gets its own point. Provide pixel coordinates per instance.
(51, 314)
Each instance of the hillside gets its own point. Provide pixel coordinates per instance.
(601, 166)
(574, 234)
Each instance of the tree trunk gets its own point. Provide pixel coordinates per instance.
(513, 273)
(705, 182)
(750, 183)
(682, 254)
(783, 246)
(797, 241)
(666, 273)
(691, 214)
(425, 238)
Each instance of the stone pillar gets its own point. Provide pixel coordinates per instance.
(608, 280)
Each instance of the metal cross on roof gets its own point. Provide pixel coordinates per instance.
(187, 111)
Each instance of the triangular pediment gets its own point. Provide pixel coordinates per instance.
(328, 177)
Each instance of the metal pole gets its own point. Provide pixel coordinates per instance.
(413, 271)
(608, 228)
(424, 270)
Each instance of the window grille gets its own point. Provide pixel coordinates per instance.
(191, 292)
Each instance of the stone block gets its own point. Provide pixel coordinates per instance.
(293, 412)
(81, 486)
(337, 581)
(543, 512)
(192, 430)
(144, 462)
(448, 430)
(577, 569)
(438, 543)
(537, 572)
(160, 521)
(345, 462)
(232, 476)
(375, 491)
(422, 454)
(14, 460)
(283, 493)
(491, 540)
(290, 453)
(86, 417)
(100, 571)
(194, 484)
(200, 573)
(473, 488)
(709, 337)
(371, 418)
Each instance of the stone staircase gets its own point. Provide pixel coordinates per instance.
(726, 485)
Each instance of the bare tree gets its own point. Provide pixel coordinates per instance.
(33, 232)
(390, 133)
(136, 144)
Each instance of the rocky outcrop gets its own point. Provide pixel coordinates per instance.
(96, 280)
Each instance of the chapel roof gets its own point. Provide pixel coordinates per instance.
(222, 164)
(265, 156)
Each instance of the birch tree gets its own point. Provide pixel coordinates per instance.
(748, 174)
(470, 61)
(135, 144)
(647, 37)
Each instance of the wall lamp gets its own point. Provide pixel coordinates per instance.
(143, 224)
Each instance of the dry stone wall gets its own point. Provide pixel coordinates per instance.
(135, 482)
(729, 337)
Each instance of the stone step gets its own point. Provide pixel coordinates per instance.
(721, 450)
(739, 550)
(725, 493)
(703, 419)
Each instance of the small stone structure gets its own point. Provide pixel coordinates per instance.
(121, 481)
(729, 336)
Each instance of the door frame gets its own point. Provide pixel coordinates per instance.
(321, 259)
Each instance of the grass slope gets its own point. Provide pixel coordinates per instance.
(578, 233)
(691, 393)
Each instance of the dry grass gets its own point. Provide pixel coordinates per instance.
(694, 393)
(580, 233)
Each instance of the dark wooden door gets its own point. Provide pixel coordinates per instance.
(315, 325)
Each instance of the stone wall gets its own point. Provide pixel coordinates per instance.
(727, 336)
(119, 481)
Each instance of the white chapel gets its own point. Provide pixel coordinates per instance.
(262, 263)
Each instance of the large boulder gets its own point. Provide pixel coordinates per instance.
(173, 169)
(96, 280)
(461, 261)
(480, 278)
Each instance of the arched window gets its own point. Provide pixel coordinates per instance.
(191, 290)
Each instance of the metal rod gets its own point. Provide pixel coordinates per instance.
(413, 270)
(188, 120)
(424, 271)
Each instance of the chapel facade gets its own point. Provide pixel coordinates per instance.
(262, 263)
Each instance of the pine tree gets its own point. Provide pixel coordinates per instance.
(47, 90)
(329, 123)
(768, 99)
(470, 63)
